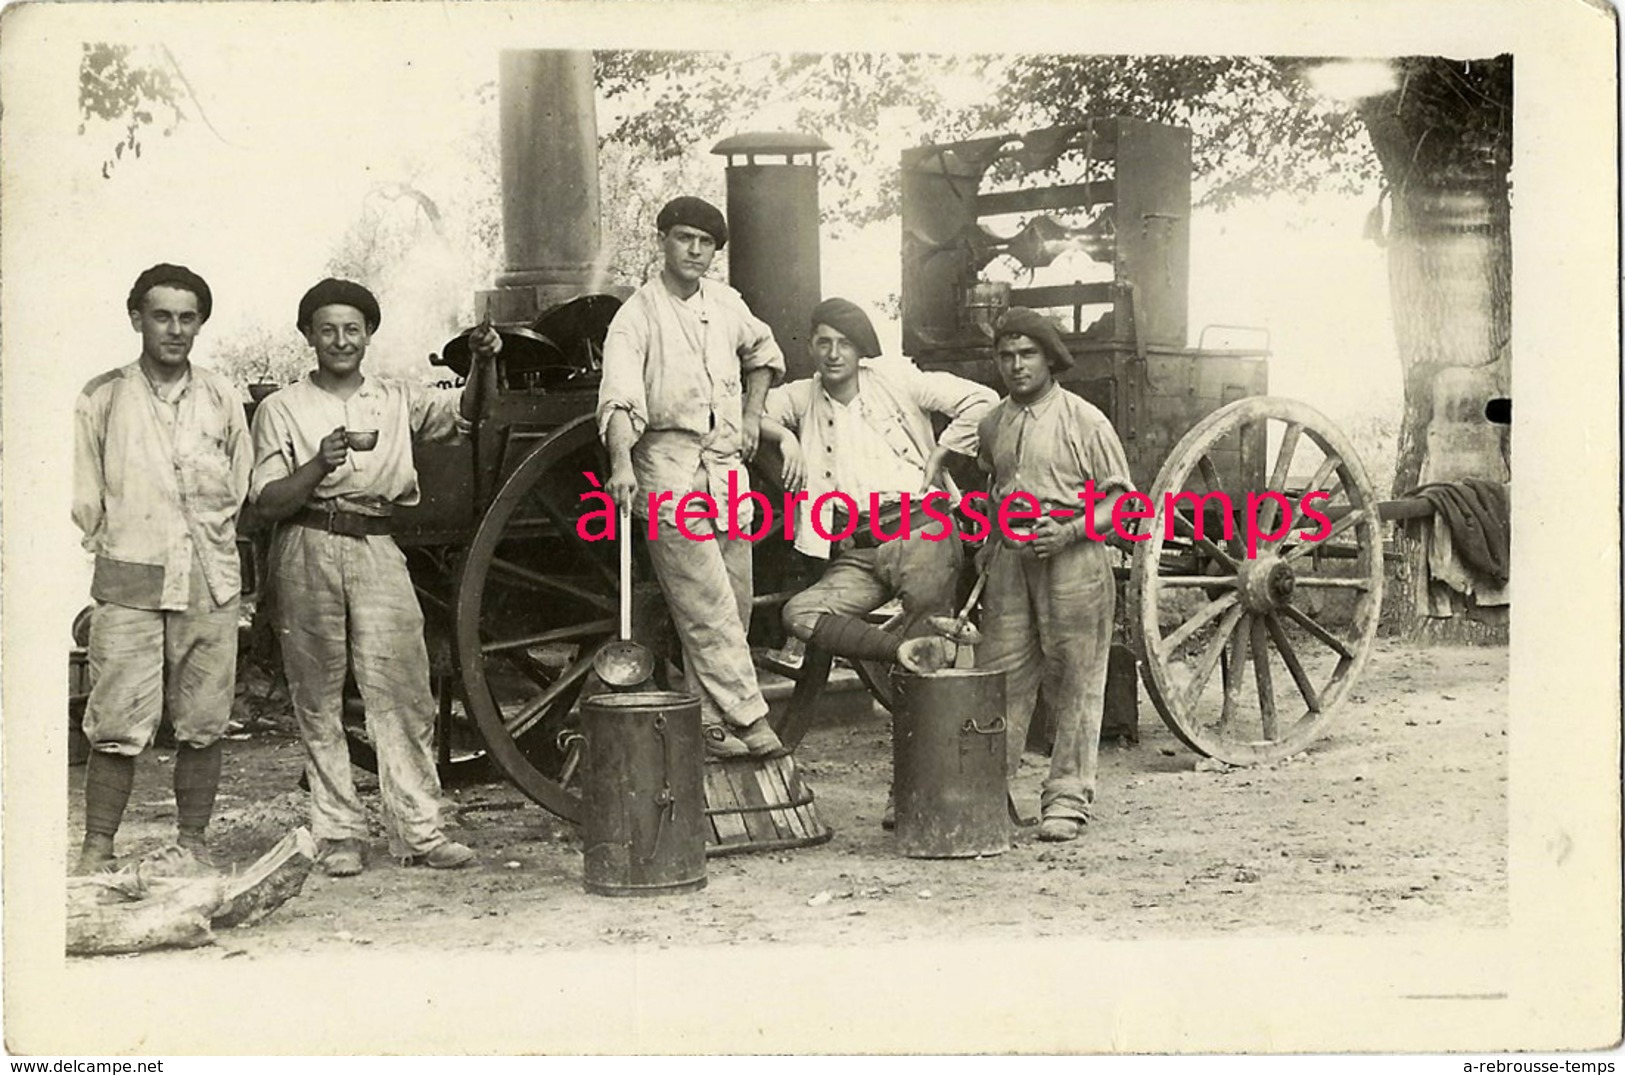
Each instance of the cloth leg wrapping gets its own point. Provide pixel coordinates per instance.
(197, 779)
(848, 636)
(108, 779)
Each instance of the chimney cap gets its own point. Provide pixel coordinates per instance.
(785, 142)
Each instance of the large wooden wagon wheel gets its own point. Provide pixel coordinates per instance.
(534, 603)
(1247, 658)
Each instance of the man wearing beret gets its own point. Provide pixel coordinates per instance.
(856, 430)
(687, 367)
(161, 463)
(1050, 600)
(340, 584)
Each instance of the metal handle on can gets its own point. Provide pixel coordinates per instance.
(664, 798)
(970, 725)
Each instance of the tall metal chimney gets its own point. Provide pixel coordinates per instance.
(773, 232)
(550, 208)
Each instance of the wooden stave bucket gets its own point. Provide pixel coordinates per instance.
(756, 804)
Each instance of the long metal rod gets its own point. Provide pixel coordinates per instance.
(625, 534)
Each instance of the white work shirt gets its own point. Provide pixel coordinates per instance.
(676, 368)
(865, 461)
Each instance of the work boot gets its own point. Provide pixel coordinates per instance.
(340, 858)
(1060, 829)
(449, 855)
(195, 843)
(96, 854)
(761, 740)
(721, 743)
(888, 820)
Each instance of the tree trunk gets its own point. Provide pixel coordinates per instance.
(1444, 141)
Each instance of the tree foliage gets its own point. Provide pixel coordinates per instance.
(1259, 126)
(128, 89)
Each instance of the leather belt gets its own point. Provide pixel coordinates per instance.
(348, 523)
(863, 536)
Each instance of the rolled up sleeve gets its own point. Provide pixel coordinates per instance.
(436, 413)
(621, 388)
(757, 347)
(964, 402)
(1102, 457)
(781, 408)
(272, 448)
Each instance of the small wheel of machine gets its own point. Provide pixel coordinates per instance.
(1300, 609)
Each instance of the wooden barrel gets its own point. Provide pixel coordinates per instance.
(759, 804)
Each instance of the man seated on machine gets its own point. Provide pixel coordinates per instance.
(855, 429)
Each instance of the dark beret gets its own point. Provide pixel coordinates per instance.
(846, 318)
(331, 292)
(696, 213)
(167, 275)
(1020, 321)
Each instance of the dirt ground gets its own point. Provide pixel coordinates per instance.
(1396, 822)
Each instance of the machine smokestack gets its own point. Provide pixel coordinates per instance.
(550, 207)
(773, 232)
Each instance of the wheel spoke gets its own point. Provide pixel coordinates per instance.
(549, 584)
(1203, 616)
(573, 633)
(1327, 468)
(1341, 526)
(1216, 581)
(1234, 662)
(1266, 688)
(1210, 658)
(1295, 667)
(1206, 545)
(567, 529)
(533, 711)
(1283, 464)
(1210, 474)
(1315, 582)
(1324, 636)
(530, 668)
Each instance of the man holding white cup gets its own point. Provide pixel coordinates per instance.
(342, 592)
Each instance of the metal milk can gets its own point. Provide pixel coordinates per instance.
(948, 764)
(643, 795)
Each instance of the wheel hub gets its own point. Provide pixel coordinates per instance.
(1266, 583)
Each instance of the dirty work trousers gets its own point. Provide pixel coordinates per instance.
(708, 592)
(145, 663)
(341, 601)
(921, 573)
(1049, 623)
